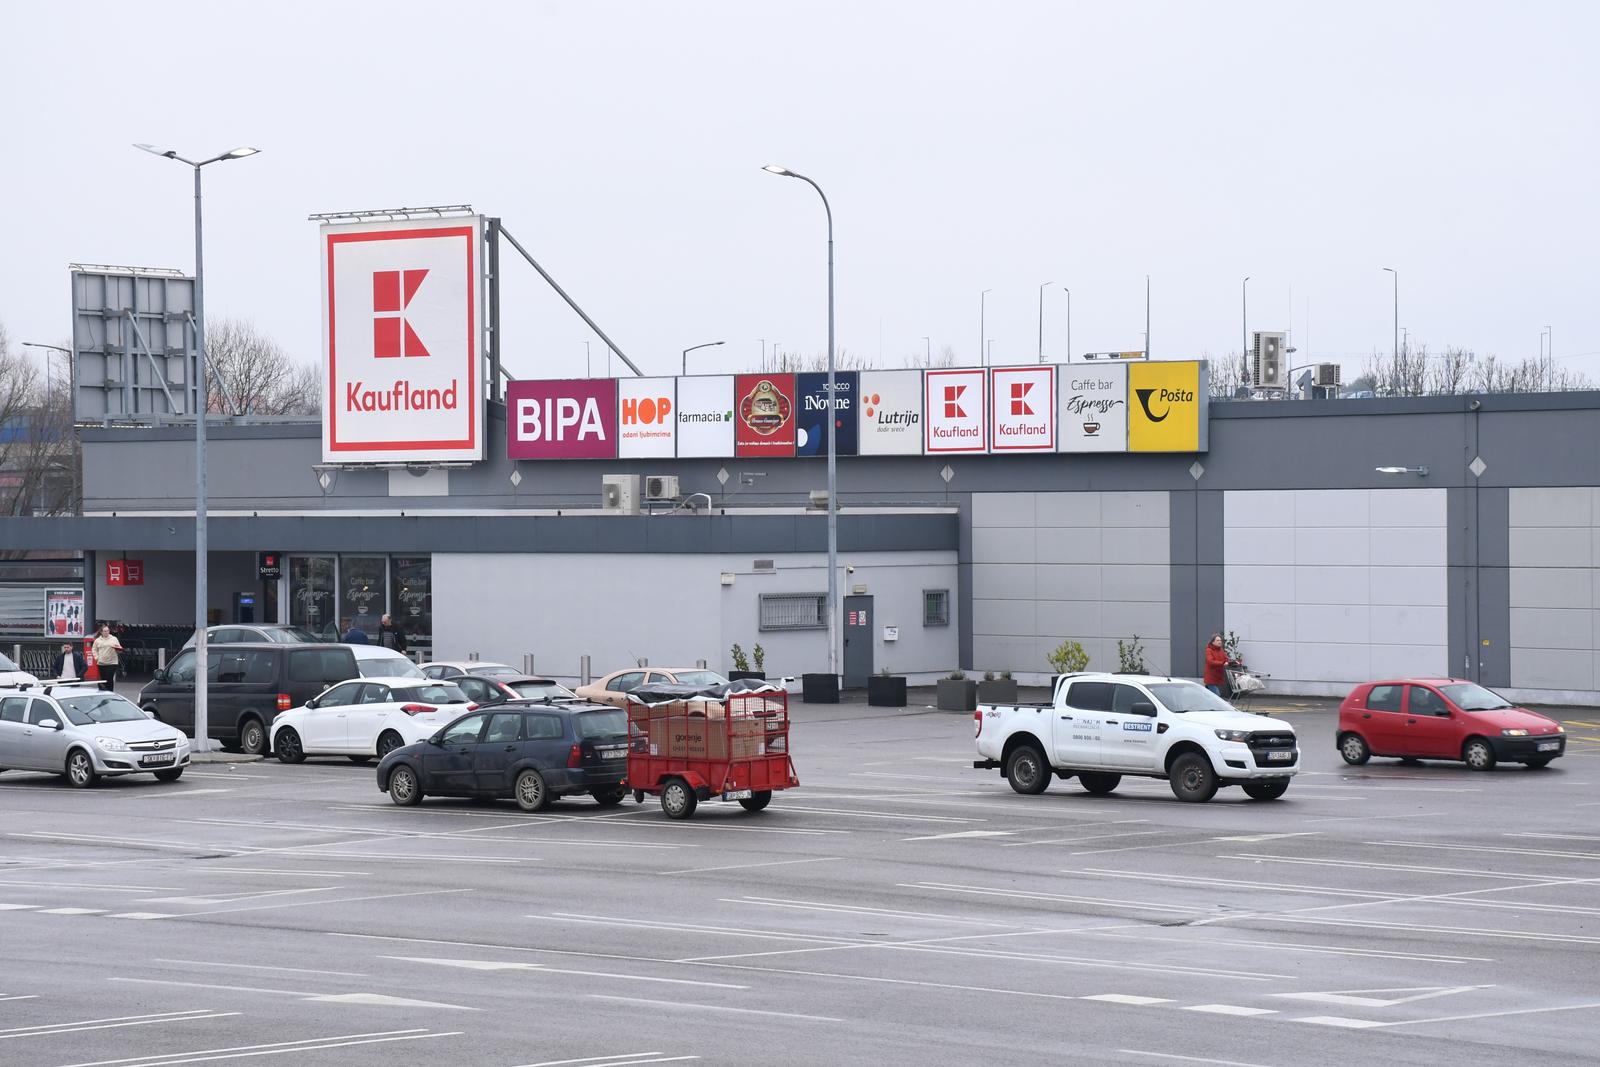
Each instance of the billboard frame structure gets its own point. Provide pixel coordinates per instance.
(133, 350)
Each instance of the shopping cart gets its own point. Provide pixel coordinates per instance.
(1243, 683)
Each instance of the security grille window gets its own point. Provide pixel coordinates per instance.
(794, 611)
(936, 607)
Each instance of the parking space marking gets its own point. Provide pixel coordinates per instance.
(307, 1044)
(115, 1022)
(687, 1006)
(747, 866)
(376, 1000)
(1187, 1059)
(893, 815)
(861, 909)
(1496, 1014)
(1542, 853)
(72, 911)
(620, 1060)
(1357, 997)
(539, 968)
(1341, 1021)
(1229, 1009)
(1469, 932)
(1127, 998)
(501, 948)
(18, 907)
(1080, 840)
(962, 834)
(141, 915)
(19, 996)
(1362, 865)
(261, 967)
(324, 901)
(96, 887)
(1330, 950)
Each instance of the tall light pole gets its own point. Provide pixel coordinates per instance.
(763, 341)
(1069, 325)
(1551, 359)
(201, 718)
(1396, 274)
(983, 329)
(1041, 319)
(927, 346)
(1147, 316)
(833, 478)
(1244, 318)
(696, 348)
(587, 373)
(988, 351)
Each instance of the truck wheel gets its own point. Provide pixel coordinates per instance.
(1098, 782)
(1353, 747)
(1478, 755)
(678, 800)
(1193, 779)
(757, 800)
(1027, 771)
(1265, 790)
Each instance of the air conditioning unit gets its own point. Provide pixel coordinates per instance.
(1326, 376)
(1267, 367)
(661, 487)
(619, 493)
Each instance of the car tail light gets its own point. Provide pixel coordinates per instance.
(416, 709)
(575, 756)
(977, 723)
(472, 707)
(285, 702)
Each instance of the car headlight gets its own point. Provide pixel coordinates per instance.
(1560, 729)
(1233, 735)
(1514, 733)
(111, 744)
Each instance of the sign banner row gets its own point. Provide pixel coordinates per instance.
(1139, 407)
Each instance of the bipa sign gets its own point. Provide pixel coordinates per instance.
(1023, 409)
(647, 418)
(400, 344)
(955, 403)
(562, 419)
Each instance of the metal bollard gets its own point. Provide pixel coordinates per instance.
(161, 653)
(527, 658)
(584, 672)
(16, 649)
(700, 663)
(473, 656)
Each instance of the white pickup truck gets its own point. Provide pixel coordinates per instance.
(1103, 726)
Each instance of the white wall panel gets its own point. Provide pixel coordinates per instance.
(1555, 590)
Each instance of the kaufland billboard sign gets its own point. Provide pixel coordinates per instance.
(562, 419)
(400, 342)
(1022, 417)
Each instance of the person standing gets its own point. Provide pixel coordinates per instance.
(1216, 675)
(107, 655)
(354, 635)
(69, 664)
(391, 636)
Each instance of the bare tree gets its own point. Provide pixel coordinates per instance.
(1229, 374)
(792, 362)
(1450, 373)
(249, 374)
(39, 454)
(945, 358)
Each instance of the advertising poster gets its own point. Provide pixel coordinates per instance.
(400, 341)
(647, 418)
(1022, 417)
(811, 436)
(63, 612)
(890, 423)
(1094, 407)
(955, 404)
(705, 417)
(764, 415)
(562, 419)
(1167, 407)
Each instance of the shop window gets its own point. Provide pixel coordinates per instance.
(311, 594)
(411, 596)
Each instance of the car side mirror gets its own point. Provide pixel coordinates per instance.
(1443, 714)
(1142, 707)
(437, 740)
(160, 675)
(49, 724)
(311, 703)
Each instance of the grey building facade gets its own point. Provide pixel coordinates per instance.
(1487, 566)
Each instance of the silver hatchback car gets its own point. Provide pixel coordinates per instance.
(84, 734)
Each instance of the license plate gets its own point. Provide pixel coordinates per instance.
(1549, 746)
(613, 753)
(737, 794)
(1280, 757)
(156, 761)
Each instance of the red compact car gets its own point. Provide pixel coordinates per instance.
(1444, 718)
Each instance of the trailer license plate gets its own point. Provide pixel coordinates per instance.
(156, 761)
(737, 794)
(1549, 746)
(1280, 757)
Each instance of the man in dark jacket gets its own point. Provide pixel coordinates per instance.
(390, 635)
(354, 635)
(69, 662)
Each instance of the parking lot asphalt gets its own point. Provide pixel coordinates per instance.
(898, 908)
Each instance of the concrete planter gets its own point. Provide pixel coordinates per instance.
(998, 691)
(886, 691)
(819, 688)
(957, 694)
(756, 676)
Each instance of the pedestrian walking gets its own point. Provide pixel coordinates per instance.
(1216, 675)
(69, 665)
(107, 655)
(391, 636)
(354, 635)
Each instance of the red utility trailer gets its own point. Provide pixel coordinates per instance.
(687, 745)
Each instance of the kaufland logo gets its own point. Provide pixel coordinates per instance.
(392, 335)
(952, 402)
(1019, 398)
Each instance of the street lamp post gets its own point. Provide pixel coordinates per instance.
(1069, 325)
(833, 481)
(927, 357)
(983, 329)
(587, 373)
(686, 351)
(201, 719)
(1244, 318)
(1041, 319)
(1396, 274)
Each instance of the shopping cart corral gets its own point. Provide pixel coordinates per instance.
(688, 744)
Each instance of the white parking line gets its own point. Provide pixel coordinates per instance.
(1341, 1021)
(72, 911)
(539, 968)
(309, 1044)
(620, 1060)
(1229, 1009)
(114, 1023)
(1127, 998)
(1187, 1059)
(746, 866)
(686, 1006)
(260, 967)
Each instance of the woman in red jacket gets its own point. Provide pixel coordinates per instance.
(1216, 665)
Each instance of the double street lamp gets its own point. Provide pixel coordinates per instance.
(833, 418)
(201, 722)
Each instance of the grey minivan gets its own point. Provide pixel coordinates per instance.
(246, 686)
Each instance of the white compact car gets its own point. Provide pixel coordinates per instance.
(85, 734)
(375, 661)
(366, 717)
(11, 674)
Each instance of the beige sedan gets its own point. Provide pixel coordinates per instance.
(613, 689)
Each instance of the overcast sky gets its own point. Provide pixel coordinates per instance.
(964, 146)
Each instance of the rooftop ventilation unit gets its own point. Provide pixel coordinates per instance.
(1326, 376)
(661, 487)
(1267, 368)
(619, 493)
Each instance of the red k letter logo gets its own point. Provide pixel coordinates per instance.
(1019, 398)
(388, 313)
(952, 405)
